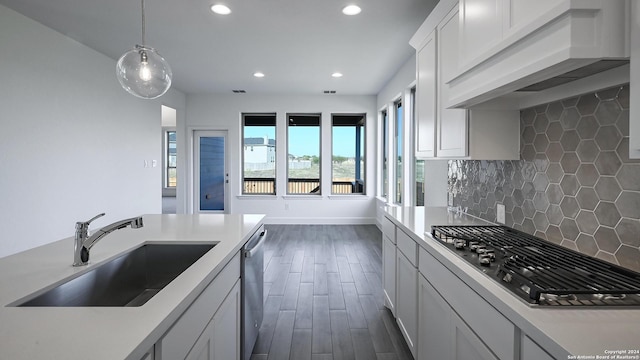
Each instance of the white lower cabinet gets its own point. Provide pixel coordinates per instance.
(407, 300)
(434, 319)
(210, 327)
(443, 334)
(389, 273)
(529, 350)
(221, 338)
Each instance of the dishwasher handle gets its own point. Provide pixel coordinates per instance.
(256, 248)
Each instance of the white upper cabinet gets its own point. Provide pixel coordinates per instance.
(426, 98)
(452, 123)
(443, 132)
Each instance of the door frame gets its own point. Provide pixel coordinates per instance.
(194, 184)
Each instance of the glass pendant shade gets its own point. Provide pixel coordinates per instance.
(144, 73)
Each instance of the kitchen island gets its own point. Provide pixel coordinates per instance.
(493, 321)
(112, 332)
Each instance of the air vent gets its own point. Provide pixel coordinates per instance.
(239, 91)
(329, 91)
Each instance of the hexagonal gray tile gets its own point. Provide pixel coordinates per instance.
(570, 140)
(587, 127)
(623, 152)
(554, 214)
(587, 175)
(608, 163)
(587, 198)
(607, 239)
(528, 209)
(607, 112)
(528, 226)
(607, 188)
(608, 137)
(569, 206)
(587, 150)
(554, 193)
(517, 215)
(587, 222)
(555, 173)
(628, 231)
(540, 201)
(607, 213)
(569, 184)
(554, 152)
(554, 131)
(623, 96)
(623, 123)
(629, 177)
(569, 162)
(587, 244)
(569, 118)
(554, 234)
(528, 153)
(528, 116)
(540, 143)
(540, 221)
(629, 204)
(569, 229)
(540, 123)
(528, 134)
(540, 182)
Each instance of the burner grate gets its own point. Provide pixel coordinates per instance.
(547, 272)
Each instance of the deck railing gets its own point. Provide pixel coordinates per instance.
(297, 186)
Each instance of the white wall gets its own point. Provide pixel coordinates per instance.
(222, 112)
(72, 142)
(404, 78)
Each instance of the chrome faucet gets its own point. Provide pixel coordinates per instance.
(84, 242)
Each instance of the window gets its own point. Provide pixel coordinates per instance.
(347, 163)
(171, 178)
(418, 171)
(399, 146)
(259, 154)
(303, 154)
(385, 153)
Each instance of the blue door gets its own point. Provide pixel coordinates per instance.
(211, 173)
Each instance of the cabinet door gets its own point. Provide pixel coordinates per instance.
(407, 300)
(221, 338)
(434, 319)
(466, 344)
(480, 27)
(389, 271)
(531, 351)
(426, 99)
(452, 123)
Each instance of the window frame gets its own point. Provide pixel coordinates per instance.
(399, 162)
(242, 156)
(167, 166)
(363, 141)
(287, 136)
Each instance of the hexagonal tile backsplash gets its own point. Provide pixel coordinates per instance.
(574, 184)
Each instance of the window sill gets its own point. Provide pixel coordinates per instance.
(349, 197)
(257, 197)
(302, 197)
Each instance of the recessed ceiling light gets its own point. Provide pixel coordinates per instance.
(258, 74)
(351, 10)
(336, 75)
(220, 9)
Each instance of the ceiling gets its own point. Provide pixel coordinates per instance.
(297, 44)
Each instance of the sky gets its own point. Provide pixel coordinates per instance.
(306, 140)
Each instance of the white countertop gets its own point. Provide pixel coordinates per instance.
(110, 332)
(562, 332)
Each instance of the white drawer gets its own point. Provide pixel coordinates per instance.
(389, 229)
(408, 247)
(178, 340)
(490, 325)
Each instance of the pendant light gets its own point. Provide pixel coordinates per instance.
(142, 71)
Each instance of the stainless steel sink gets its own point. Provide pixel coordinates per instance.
(128, 280)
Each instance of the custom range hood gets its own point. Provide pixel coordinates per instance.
(555, 42)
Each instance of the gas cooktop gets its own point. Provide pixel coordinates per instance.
(540, 272)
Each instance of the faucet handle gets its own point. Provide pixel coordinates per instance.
(86, 223)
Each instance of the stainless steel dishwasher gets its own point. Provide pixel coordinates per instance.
(252, 276)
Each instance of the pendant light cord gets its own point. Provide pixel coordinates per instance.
(143, 24)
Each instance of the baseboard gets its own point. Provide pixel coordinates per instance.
(321, 220)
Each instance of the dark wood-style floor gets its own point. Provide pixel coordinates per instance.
(323, 296)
